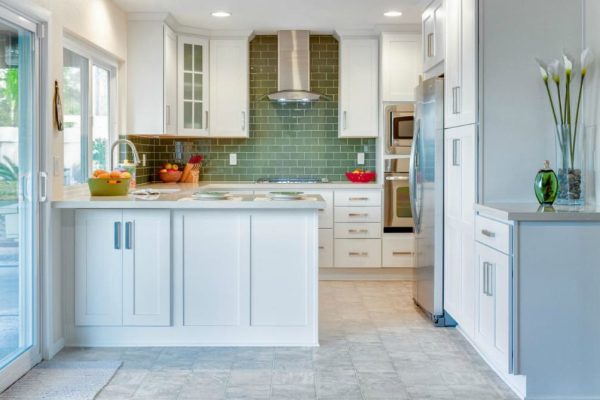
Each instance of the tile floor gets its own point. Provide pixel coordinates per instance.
(374, 345)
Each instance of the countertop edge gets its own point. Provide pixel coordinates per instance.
(529, 212)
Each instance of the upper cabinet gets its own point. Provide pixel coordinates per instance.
(229, 75)
(432, 26)
(151, 78)
(400, 66)
(460, 89)
(193, 85)
(359, 77)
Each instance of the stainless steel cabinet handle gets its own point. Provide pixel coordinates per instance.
(484, 278)
(401, 253)
(344, 119)
(487, 233)
(491, 279)
(456, 152)
(243, 121)
(358, 214)
(430, 45)
(458, 100)
(455, 100)
(321, 247)
(117, 236)
(43, 182)
(206, 119)
(358, 231)
(128, 235)
(358, 198)
(396, 178)
(358, 253)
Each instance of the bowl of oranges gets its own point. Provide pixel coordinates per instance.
(105, 183)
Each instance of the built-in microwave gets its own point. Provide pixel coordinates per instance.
(399, 124)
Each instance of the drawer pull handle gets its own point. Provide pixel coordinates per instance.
(487, 233)
(358, 231)
(321, 247)
(358, 214)
(402, 253)
(358, 254)
(359, 198)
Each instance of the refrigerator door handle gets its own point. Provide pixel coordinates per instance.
(412, 179)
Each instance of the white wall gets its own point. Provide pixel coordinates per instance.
(103, 25)
(517, 128)
(592, 99)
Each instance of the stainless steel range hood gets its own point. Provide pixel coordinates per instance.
(293, 68)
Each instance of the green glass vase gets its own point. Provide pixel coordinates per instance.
(546, 185)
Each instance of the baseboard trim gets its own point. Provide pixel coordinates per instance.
(366, 274)
(55, 348)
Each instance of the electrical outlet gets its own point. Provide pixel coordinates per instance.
(57, 166)
(232, 159)
(366, 148)
(144, 160)
(360, 158)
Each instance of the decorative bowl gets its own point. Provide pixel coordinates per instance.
(362, 177)
(109, 186)
(170, 176)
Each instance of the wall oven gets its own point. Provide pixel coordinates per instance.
(399, 124)
(397, 207)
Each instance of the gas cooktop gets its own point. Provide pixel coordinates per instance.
(292, 180)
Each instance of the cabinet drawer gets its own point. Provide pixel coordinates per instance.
(358, 198)
(325, 214)
(357, 214)
(325, 248)
(347, 230)
(358, 253)
(493, 233)
(397, 252)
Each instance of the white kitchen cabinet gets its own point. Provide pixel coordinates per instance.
(98, 267)
(433, 28)
(400, 65)
(325, 248)
(460, 78)
(397, 251)
(122, 268)
(151, 78)
(215, 256)
(229, 74)
(193, 86)
(358, 253)
(459, 199)
(147, 268)
(359, 94)
(493, 294)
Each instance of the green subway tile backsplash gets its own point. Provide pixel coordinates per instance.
(285, 139)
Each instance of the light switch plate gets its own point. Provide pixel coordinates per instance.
(232, 159)
(360, 158)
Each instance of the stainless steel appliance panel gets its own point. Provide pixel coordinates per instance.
(399, 128)
(397, 207)
(427, 195)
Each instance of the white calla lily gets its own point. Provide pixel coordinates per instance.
(587, 59)
(543, 70)
(555, 70)
(568, 64)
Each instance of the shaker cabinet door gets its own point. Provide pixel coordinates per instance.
(192, 93)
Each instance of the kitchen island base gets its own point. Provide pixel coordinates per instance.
(192, 277)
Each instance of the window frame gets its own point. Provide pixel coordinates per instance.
(99, 58)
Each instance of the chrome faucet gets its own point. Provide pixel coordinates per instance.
(136, 157)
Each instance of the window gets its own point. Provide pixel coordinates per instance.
(89, 95)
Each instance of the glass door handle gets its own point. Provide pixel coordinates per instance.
(43, 182)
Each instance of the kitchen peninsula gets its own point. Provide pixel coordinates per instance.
(175, 271)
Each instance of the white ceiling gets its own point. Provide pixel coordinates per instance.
(273, 15)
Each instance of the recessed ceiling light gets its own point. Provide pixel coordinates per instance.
(392, 14)
(221, 14)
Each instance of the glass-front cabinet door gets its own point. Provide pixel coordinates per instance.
(193, 86)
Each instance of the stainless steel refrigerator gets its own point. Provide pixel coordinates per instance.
(426, 180)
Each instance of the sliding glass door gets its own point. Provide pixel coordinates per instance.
(18, 202)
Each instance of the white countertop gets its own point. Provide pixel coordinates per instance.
(533, 212)
(80, 198)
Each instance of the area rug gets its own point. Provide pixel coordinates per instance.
(63, 380)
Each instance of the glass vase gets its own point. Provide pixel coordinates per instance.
(570, 165)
